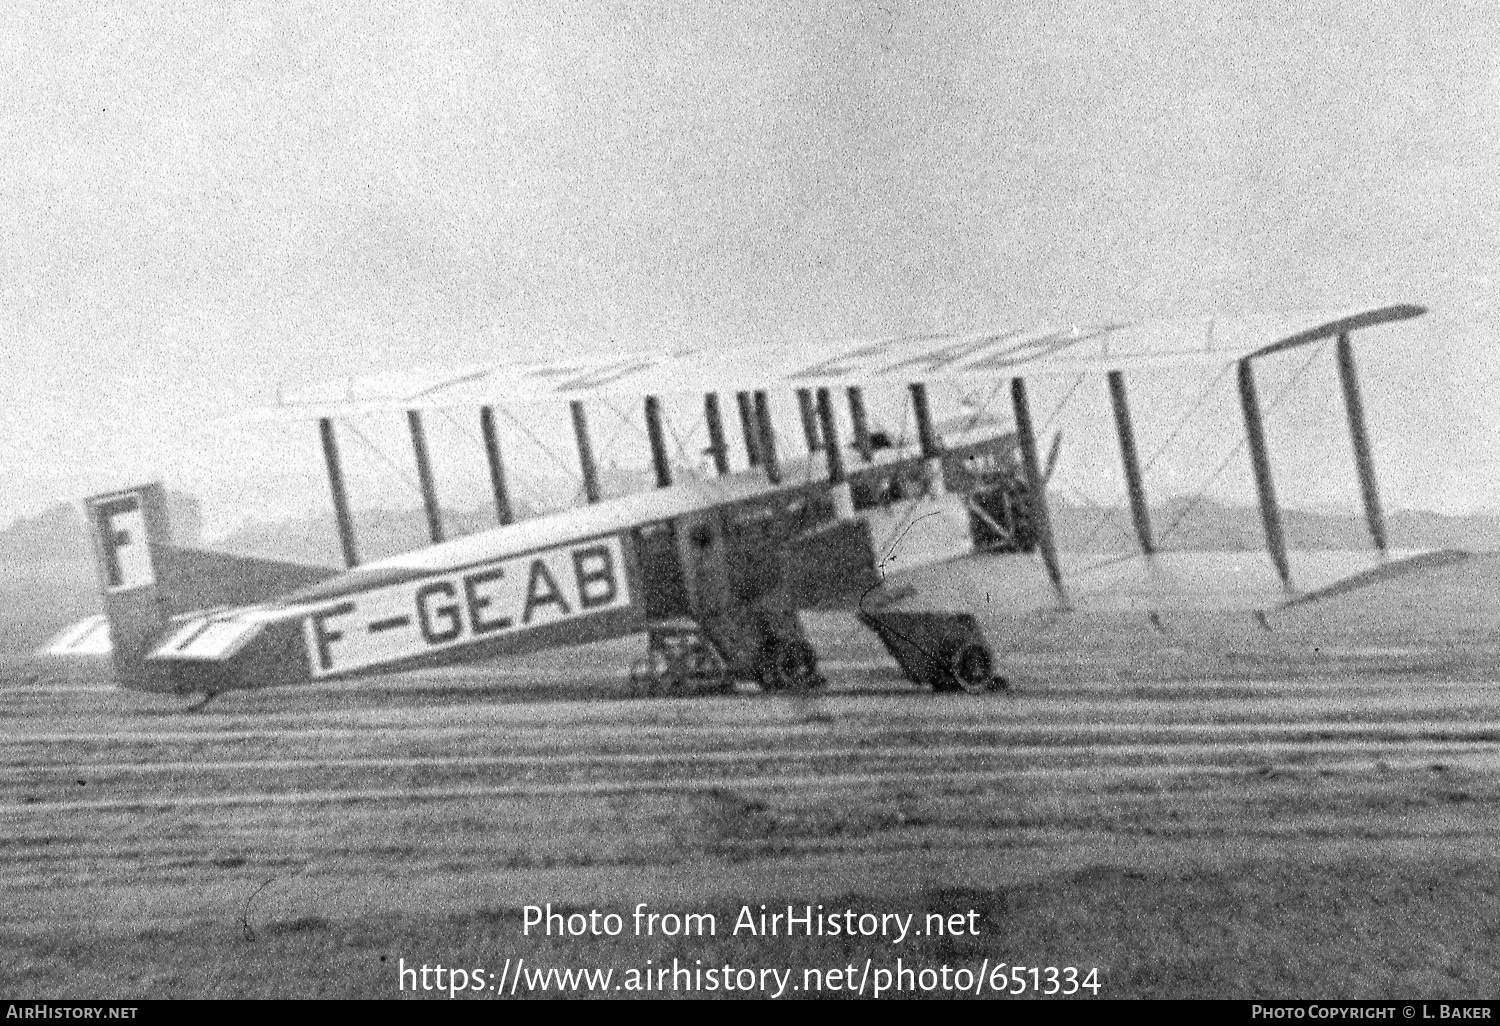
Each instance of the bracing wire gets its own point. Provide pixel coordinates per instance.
(1062, 403)
(684, 461)
(1198, 497)
(1109, 513)
(622, 417)
(984, 406)
(400, 472)
(1276, 401)
(607, 446)
(532, 491)
(1182, 422)
(570, 471)
(463, 428)
(682, 441)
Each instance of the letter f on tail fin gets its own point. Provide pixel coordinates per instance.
(124, 527)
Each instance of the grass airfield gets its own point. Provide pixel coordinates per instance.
(1213, 811)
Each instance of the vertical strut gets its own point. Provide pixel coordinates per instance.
(927, 438)
(1260, 465)
(717, 447)
(1041, 518)
(340, 497)
(1364, 460)
(829, 432)
(1139, 511)
(659, 461)
(926, 434)
(585, 451)
(765, 438)
(748, 428)
(503, 511)
(424, 477)
(809, 419)
(840, 493)
(861, 422)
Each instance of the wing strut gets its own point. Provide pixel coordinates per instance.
(765, 438)
(927, 438)
(748, 429)
(843, 500)
(829, 432)
(503, 511)
(717, 447)
(585, 452)
(1139, 511)
(340, 496)
(1260, 464)
(861, 423)
(424, 477)
(1040, 518)
(659, 461)
(1364, 461)
(809, 419)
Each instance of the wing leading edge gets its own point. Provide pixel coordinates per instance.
(1073, 349)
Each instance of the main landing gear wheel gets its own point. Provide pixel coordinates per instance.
(679, 663)
(709, 672)
(790, 665)
(969, 668)
(655, 675)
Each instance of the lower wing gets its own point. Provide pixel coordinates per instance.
(1164, 582)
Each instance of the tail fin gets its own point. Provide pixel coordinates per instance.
(147, 580)
(124, 526)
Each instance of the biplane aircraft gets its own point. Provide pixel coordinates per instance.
(921, 546)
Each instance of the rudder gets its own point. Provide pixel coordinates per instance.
(123, 526)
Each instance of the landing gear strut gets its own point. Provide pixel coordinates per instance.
(679, 661)
(945, 651)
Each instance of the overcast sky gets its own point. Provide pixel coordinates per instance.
(202, 200)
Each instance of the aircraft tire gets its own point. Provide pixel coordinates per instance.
(972, 669)
(640, 678)
(943, 681)
(709, 674)
(966, 667)
(790, 664)
(655, 676)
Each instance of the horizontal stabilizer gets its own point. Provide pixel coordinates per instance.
(86, 638)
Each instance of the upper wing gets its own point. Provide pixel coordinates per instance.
(1073, 349)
